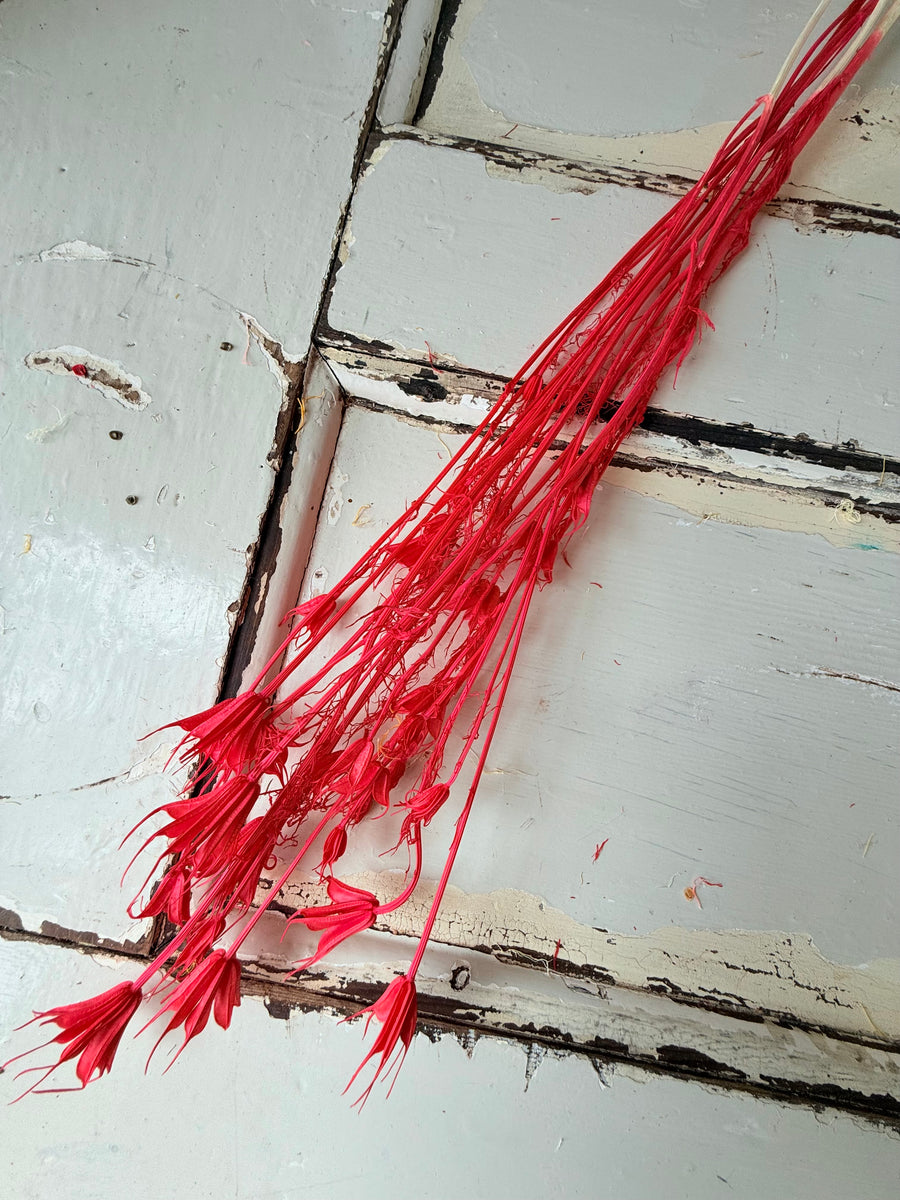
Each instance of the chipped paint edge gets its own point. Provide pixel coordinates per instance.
(835, 167)
(709, 483)
(783, 976)
(102, 375)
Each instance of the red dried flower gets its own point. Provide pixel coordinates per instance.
(171, 896)
(444, 594)
(213, 988)
(422, 806)
(386, 780)
(311, 616)
(352, 910)
(89, 1031)
(335, 845)
(197, 941)
(207, 827)
(396, 1009)
(229, 734)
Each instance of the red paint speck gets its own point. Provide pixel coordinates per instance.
(598, 850)
(79, 369)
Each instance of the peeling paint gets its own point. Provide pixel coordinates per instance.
(848, 160)
(708, 482)
(780, 975)
(617, 1029)
(100, 374)
(333, 503)
(553, 180)
(346, 241)
(81, 251)
(286, 538)
(45, 432)
(287, 368)
(740, 501)
(533, 1059)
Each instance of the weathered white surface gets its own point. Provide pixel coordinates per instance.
(476, 268)
(156, 185)
(571, 79)
(116, 615)
(214, 139)
(480, 972)
(725, 705)
(266, 1119)
(779, 976)
(774, 492)
(170, 168)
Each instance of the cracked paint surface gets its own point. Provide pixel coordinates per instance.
(466, 1103)
(499, 83)
(101, 374)
(775, 974)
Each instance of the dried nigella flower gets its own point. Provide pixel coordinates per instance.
(90, 1031)
(395, 1010)
(351, 911)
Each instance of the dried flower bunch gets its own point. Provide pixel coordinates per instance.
(428, 622)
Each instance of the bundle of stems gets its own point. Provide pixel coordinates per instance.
(429, 621)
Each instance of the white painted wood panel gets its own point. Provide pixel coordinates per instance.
(725, 706)
(214, 139)
(652, 86)
(116, 615)
(448, 255)
(257, 1113)
(158, 185)
(175, 176)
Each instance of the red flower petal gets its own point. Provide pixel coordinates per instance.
(352, 911)
(211, 989)
(89, 1031)
(396, 1010)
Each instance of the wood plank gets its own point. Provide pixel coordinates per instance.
(569, 79)
(116, 615)
(473, 265)
(221, 140)
(156, 191)
(724, 706)
(515, 1121)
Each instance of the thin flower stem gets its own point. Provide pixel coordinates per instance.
(276, 888)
